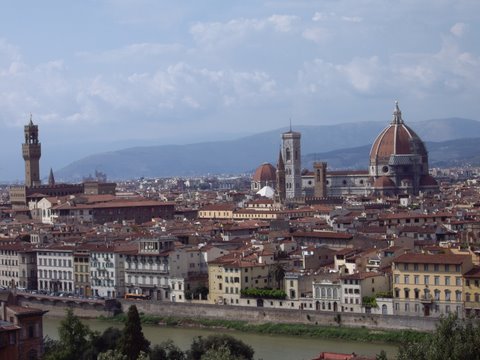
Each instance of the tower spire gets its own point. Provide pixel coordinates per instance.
(290, 124)
(51, 178)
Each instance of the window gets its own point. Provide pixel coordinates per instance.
(425, 267)
(397, 279)
(416, 279)
(436, 280)
(426, 279)
(437, 295)
(436, 267)
(405, 267)
(415, 267)
(406, 279)
(447, 268)
(447, 280)
(447, 295)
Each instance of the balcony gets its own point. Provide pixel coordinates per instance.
(147, 271)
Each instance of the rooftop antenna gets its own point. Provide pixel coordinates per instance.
(290, 124)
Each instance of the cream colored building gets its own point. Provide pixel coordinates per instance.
(217, 211)
(471, 291)
(230, 274)
(429, 284)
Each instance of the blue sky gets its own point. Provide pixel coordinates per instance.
(99, 75)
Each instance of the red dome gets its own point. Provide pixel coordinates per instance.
(265, 172)
(397, 139)
(383, 182)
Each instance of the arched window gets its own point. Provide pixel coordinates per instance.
(287, 154)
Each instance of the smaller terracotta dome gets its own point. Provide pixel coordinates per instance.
(428, 180)
(265, 172)
(383, 182)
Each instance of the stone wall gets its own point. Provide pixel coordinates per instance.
(250, 314)
(58, 308)
(268, 315)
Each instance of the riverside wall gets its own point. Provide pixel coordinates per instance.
(284, 316)
(255, 315)
(57, 309)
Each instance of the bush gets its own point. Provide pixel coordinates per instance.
(265, 293)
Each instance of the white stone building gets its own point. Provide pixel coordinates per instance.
(107, 271)
(55, 269)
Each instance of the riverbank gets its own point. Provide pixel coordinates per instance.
(299, 330)
(267, 347)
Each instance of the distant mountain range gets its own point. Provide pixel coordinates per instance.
(342, 146)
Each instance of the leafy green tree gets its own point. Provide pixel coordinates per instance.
(167, 350)
(132, 341)
(453, 339)
(200, 346)
(100, 343)
(381, 356)
(74, 339)
(222, 353)
(112, 355)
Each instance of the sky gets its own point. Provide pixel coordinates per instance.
(100, 75)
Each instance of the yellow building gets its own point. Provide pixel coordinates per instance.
(232, 273)
(471, 290)
(429, 285)
(81, 273)
(217, 211)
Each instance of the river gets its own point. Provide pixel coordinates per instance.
(267, 347)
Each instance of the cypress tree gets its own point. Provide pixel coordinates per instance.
(132, 341)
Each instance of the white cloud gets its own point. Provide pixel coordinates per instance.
(316, 34)
(283, 23)
(449, 70)
(228, 33)
(364, 74)
(132, 51)
(356, 19)
(458, 29)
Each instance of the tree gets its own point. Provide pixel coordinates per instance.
(381, 356)
(132, 340)
(112, 355)
(200, 346)
(453, 339)
(74, 339)
(108, 340)
(222, 353)
(167, 350)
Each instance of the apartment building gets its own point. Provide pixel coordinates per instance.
(230, 274)
(429, 285)
(55, 269)
(107, 271)
(356, 286)
(471, 291)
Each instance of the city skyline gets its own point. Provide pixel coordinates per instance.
(103, 75)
